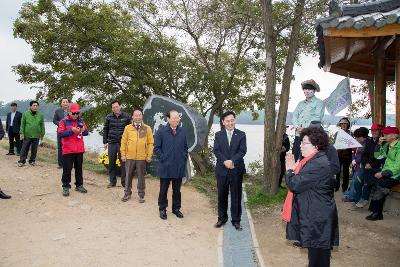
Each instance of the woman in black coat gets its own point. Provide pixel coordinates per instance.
(314, 220)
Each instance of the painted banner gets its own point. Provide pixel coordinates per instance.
(344, 140)
(340, 98)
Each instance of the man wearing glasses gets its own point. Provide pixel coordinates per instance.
(72, 129)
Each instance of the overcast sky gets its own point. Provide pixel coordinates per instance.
(15, 51)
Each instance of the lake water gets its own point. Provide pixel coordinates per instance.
(254, 134)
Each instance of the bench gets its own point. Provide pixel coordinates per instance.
(392, 203)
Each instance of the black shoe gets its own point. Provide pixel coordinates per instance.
(10, 154)
(3, 195)
(220, 223)
(65, 191)
(81, 189)
(374, 217)
(32, 163)
(296, 244)
(110, 185)
(178, 213)
(163, 214)
(237, 226)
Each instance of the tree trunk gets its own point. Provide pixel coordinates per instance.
(199, 163)
(270, 158)
(273, 135)
(294, 44)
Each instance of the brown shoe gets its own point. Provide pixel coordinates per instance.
(237, 226)
(220, 223)
(126, 198)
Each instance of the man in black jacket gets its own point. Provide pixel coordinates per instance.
(2, 194)
(112, 133)
(13, 123)
(59, 115)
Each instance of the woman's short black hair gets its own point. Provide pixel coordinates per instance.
(227, 113)
(62, 98)
(317, 136)
(361, 132)
(33, 102)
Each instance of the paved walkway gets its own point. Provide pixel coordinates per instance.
(238, 247)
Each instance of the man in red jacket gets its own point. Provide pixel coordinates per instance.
(71, 130)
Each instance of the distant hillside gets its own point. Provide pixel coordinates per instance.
(243, 118)
(47, 109)
(246, 118)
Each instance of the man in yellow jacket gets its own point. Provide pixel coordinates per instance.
(136, 150)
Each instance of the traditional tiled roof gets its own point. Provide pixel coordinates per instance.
(357, 16)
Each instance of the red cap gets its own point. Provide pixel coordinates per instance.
(376, 126)
(390, 130)
(74, 107)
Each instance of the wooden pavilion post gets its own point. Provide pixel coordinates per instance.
(397, 74)
(379, 115)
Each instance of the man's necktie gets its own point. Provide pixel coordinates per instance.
(229, 137)
(174, 132)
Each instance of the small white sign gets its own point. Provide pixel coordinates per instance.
(344, 140)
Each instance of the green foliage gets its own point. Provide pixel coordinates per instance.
(89, 50)
(206, 184)
(205, 53)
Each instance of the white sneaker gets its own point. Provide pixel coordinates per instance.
(361, 203)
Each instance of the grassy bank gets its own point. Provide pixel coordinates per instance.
(256, 196)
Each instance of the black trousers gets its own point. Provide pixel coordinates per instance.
(283, 171)
(176, 193)
(376, 206)
(296, 148)
(72, 160)
(59, 150)
(345, 167)
(318, 257)
(113, 153)
(32, 143)
(231, 183)
(16, 143)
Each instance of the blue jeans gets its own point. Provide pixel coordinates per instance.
(358, 188)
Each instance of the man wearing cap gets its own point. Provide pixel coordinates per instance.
(370, 163)
(389, 176)
(72, 129)
(32, 129)
(310, 109)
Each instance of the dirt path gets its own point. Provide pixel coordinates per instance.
(362, 243)
(40, 227)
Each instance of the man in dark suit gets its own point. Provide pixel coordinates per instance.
(2, 194)
(171, 147)
(229, 149)
(13, 124)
